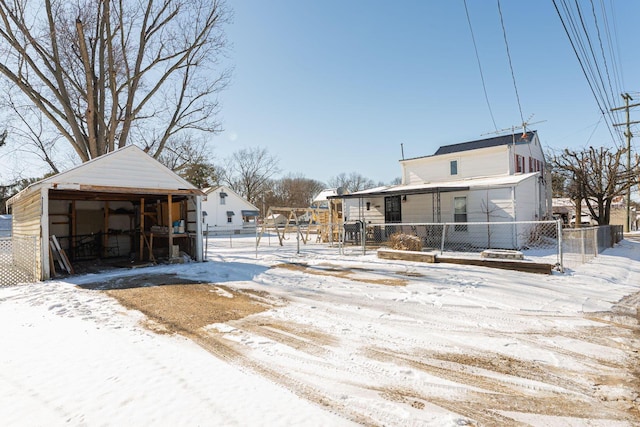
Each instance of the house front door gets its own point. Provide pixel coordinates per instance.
(392, 209)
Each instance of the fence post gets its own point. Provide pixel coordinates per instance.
(595, 240)
(560, 253)
(206, 243)
(363, 238)
(444, 233)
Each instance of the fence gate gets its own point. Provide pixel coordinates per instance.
(18, 260)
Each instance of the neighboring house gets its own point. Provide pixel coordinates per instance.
(565, 209)
(122, 204)
(226, 211)
(5, 226)
(275, 220)
(496, 179)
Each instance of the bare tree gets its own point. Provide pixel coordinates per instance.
(249, 172)
(294, 191)
(596, 175)
(105, 73)
(352, 182)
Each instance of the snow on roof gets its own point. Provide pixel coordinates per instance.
(324, 194)
(127, 167)
(457, 185)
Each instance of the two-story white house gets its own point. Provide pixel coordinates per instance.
(498, 179)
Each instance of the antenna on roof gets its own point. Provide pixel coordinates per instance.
(402, 150)
(513, 129)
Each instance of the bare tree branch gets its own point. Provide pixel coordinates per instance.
(99, 69)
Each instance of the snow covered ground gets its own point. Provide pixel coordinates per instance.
(346, 340)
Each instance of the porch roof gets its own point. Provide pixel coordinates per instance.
(439, 187)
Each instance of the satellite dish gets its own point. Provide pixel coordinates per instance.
(340, 191)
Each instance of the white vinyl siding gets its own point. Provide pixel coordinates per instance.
(469, 164)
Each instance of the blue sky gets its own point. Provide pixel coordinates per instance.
(336, 86)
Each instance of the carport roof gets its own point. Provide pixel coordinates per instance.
(440, 187)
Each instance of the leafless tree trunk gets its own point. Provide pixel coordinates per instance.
(106, 73)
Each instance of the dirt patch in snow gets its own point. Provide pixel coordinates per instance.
(176, 305)
(334, 270)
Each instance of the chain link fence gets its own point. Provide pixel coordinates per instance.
(540, 241)
(18, 260)
(581, 245)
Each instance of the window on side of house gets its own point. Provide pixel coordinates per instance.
(460, 212)
(453, 165)
(519, 163)
(223, 198)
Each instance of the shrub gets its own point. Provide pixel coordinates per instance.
(405, 242)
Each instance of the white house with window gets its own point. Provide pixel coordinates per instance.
(504, 178)
(225, 211)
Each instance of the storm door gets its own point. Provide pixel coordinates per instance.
(392, 210)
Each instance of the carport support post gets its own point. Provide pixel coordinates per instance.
(141, 228)
(170, 221)
(199, 246)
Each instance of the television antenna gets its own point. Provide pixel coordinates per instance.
(513, 129)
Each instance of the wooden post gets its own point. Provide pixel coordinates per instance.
(72, 240)
(170, 220)
(105, 229)
(141, 227)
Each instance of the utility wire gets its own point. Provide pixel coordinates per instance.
(513, 77)
(582, 63)
(475, 47)
(604, 57)
(615, 33)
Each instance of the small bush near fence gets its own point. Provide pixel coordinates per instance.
(405, 242)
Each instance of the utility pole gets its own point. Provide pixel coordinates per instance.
(627, 133)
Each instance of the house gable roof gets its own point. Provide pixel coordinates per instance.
(486, 143)
(209, 190)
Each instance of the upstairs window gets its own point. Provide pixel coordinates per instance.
(519, 163)
(223, 198)
(453, 165)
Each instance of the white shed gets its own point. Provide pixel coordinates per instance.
(124, 204)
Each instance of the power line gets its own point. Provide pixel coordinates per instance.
(513, 77)
(585, 63)
(475, 47)
(604, 57)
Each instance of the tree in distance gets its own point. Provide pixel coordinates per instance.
(249, 172)
(352, 182)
